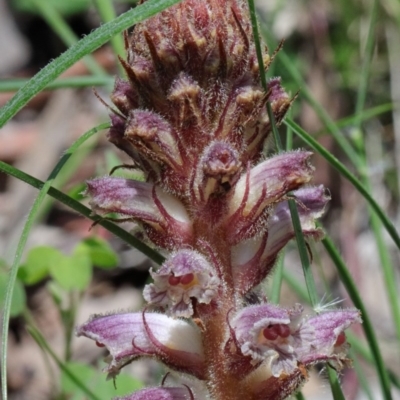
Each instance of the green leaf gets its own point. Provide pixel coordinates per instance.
(38, 263)
(96, 381)
(73, 272)
(100, 252)
(18, 301)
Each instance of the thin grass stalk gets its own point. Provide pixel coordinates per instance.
(324, 117)
(337, 392)
(301, 244)
(351, 289)
(12, 85)
(69, 169)
(41, 341)
(363, 380)
(387, 266)
(21, 245)
(365, 69)
(64, 31)
(363, 116)
(348, 175)
(107, 14)
(85, 46)
(277, 280)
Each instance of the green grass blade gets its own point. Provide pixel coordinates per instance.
(366, 65)
(85, 46)
(12, 85)
(41, 341)
(64, 31)
(351, 288)
(335, 384)
(349, 176)
(330, 125)
(362, 378)
(21, 245)
(107, 14)
(362, 116)
(301, 244)
(277, 280)
(84, 211)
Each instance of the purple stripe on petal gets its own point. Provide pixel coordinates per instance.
(126, 337)
(160, 393)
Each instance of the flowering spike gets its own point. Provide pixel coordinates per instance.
(192, 116)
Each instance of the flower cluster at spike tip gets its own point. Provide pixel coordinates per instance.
(191, 114)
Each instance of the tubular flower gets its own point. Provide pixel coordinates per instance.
(132, 335)
(191, 114)
(185, 277)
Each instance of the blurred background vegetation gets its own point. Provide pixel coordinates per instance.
(341, 59)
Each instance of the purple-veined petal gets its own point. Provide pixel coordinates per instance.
(264, 332)
(127, 336)
(276, 335)
(262, 186)
(253, 259)
(317, 337)
(161, 212)
(160, 393)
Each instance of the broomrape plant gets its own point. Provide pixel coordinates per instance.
(192, 117)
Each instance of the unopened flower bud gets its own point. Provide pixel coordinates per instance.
(124, 97)
(218, 170)
(154, 137)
